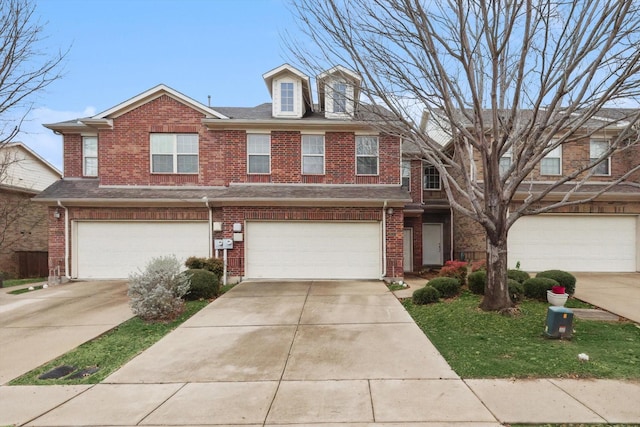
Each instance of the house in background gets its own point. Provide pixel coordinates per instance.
(23, 224)
(297, 189)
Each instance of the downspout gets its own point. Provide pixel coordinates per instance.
(451, 231)
(66, 241)
(205, 199)
(384, 239)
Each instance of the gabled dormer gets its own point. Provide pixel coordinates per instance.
(290, 91)
(338, 90)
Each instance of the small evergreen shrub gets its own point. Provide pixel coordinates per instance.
(426, 295)
(537, 287)
(477, 281)
(214, 265)
(563, 278)
(517, 275)
(447, 286)
(455, 269)
(516, 290)
(204, 285)
(156, 293)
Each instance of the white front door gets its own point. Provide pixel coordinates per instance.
(407, 249)
(432, 244)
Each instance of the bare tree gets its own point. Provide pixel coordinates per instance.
(502, 77)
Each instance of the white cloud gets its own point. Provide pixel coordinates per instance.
(42, 140)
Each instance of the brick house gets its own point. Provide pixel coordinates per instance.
(302, 190)
(602, 235)
(23, 224)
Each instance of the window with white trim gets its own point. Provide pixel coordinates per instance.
(431, 178)
(366, 155)
(313, 154)
(90, 155)
(551, 164)
(505, 162)
(258, 153)
(597, 148)
(339, 97)
(174, 153)
(406, 175)
(286, 97)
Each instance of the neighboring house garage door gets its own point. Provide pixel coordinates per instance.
(574, 243)
(114, 249)
(313, 250)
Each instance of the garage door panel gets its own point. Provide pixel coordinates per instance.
(574, 243)
(112, 249)
(307, 250)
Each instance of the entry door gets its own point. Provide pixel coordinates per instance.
(407, 249)
(432, 244)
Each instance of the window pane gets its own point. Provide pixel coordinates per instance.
(312, 144)
(162, 163)
(91, 166)
(431, 178)
(602, 168)
(257, 144)
(406, 169)
(405, 183)
(187, 164)
(367, 166)
(598, 148)
(550, 166)
(339, 98)
(187, 143)
(162, 143)
(505, 162)
(90, 146)
(367, 145)
(286, 94)
(258, 164)
(313, 165)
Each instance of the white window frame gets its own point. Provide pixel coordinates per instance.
(256, 154)
(377, 155)
(85, 157)
(312, 155)
(174, 153)
(405, 173)
(339, 97)
(556, 153)
(593, 157)
(424, 177)
(290, 100)
(505, 161)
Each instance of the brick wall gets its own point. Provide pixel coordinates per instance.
(72, 158)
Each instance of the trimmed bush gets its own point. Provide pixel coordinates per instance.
(426, 295)
(156, 293)
(204, 285)
(563, 278)
(516, 290)
(537, 287)
(479, 265)
(214, 265)
(518, 275)
(455, 269)
(477, 281)
(447, 286)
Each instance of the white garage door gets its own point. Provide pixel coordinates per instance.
(574, 243)
(110, 250)
(313, 250)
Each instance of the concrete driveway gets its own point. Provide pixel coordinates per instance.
(38, 326)
(618, 293)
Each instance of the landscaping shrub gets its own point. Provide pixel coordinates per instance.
(156, 293)
(204, 285)
(479, 265)
(447, 287)
(214, 265)
(426, 295)
(477, 281)
(455, 269)
(537, 287)
(563, 278)
(517, 275)
(516, 290)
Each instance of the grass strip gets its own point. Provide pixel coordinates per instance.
(18, 282)
(480, 344)
(111, 350)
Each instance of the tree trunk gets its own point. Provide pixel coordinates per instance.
(496, 293)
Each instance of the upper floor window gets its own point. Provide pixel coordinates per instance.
(174, 153)
(90, 155)
(340, 97)
(431, 178)
(258, 153)
(312, 154)
(406, 175)
(505, 162)
(597, 148)
(286, 97)
(367, 155)
(551, 164)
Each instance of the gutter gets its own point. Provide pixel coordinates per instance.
(66, 240)
(205, 199)
(384, 240)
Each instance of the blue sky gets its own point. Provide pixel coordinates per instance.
(120, 48)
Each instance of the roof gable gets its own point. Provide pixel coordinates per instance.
(25, 169)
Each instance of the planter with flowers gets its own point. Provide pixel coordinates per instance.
(557, 296)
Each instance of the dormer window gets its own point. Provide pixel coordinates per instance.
(286, 97)
(340, 97)
(339, 90)
(290, 92)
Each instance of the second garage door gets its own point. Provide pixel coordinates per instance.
(114, 249)
(313, 250)
(574, 243)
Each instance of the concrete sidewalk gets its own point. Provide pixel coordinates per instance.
(618, 293)
(302, 353)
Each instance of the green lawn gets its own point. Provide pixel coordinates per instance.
(111, 350)
(481, 344)
(18, 282)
